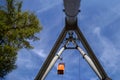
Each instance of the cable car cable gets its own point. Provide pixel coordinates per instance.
(79, 67)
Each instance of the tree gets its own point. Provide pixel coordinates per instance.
(17, 28)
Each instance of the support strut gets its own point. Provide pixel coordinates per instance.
(53, 62)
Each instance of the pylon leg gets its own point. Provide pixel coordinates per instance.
(89, 61)
(91, 53)
(51, 55)
(53, 62)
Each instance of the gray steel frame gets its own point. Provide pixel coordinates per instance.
(74, 27)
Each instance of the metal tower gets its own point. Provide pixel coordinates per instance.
(71, 29)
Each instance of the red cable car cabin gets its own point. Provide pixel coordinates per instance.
(61, 68)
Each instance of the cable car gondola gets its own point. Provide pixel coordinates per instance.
(61, 68)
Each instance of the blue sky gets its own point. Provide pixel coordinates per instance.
(99, 20)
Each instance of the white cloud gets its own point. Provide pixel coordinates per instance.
(48, 5)
(94, 78)
(110, 54)
(40, 53)
(116, 9)
(97, 30)
(45, 8)
(26, 60)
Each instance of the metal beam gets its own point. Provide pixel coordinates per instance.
(91, 53)
(51, 55)
(55, 58)
(71, 10)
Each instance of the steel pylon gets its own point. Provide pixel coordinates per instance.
(71, 26)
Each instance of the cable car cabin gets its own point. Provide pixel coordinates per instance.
(61, 68)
